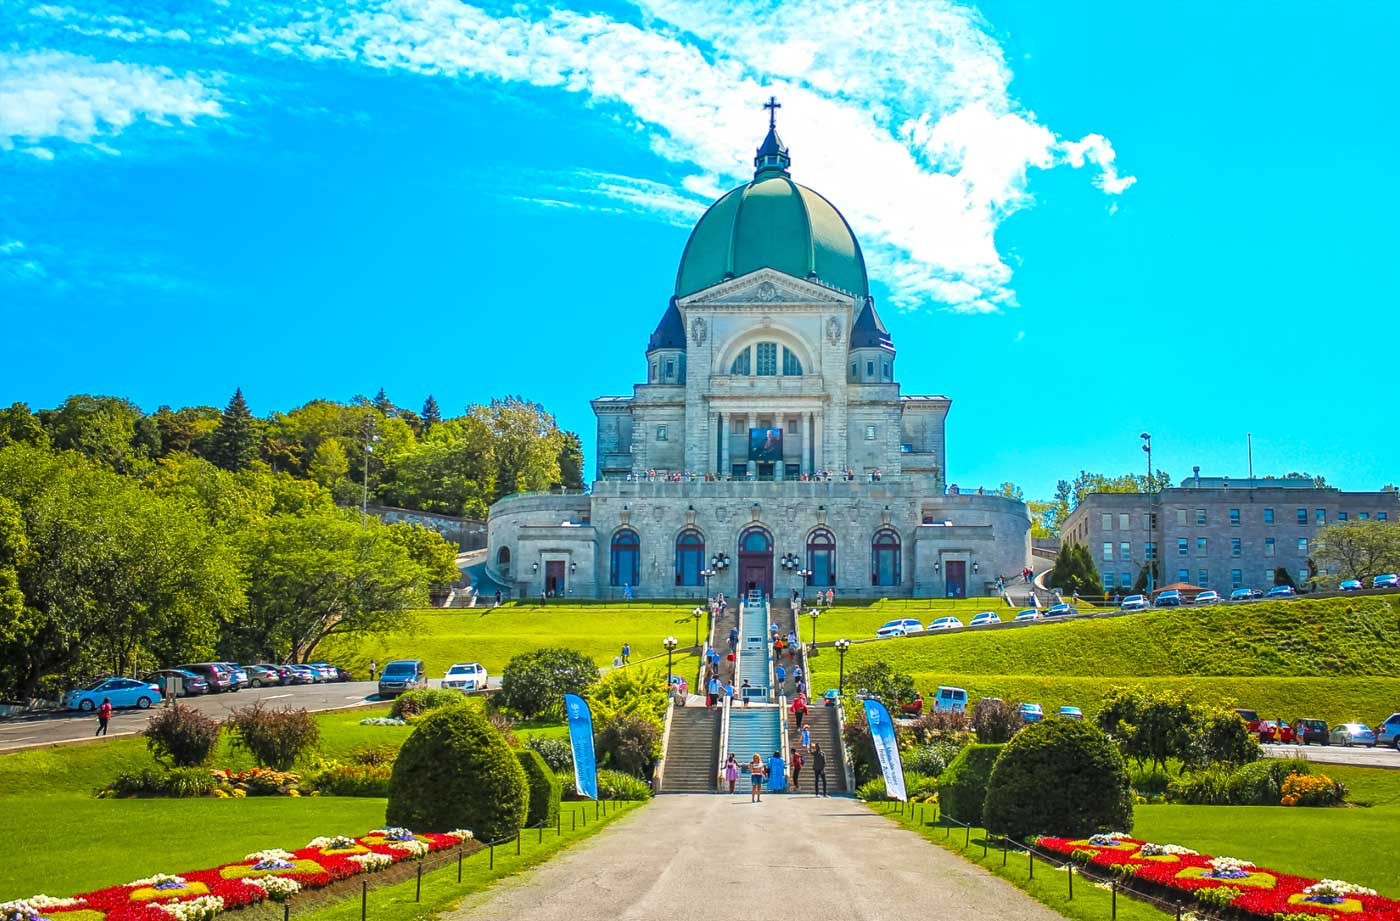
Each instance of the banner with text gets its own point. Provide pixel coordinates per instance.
(886, 748)
(581, 739)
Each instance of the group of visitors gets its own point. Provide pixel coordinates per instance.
(774, 771)
(653, 475)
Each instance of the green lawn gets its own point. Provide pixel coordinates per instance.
(492, 636)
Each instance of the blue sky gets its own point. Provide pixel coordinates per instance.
(1082, 221)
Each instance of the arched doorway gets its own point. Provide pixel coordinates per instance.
(756, 561)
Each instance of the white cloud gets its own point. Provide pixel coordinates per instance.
(594, 191)
(48, 95)
(16, 262)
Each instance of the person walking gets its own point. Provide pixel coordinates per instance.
(744, 693)
(372, 669)
(806, 738)
(797, 762)
(626, 652)
(777, 773)
(818, 771)
(712, 692)
(731, 772)
(756, 779)
(498, 597)
(104, 713)
(799, 709)
(733, 638)
(781, 673)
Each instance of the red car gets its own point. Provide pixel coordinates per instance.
(1250, 718)
(913, 708)
(1275, 731)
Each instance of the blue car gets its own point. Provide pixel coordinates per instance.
(1171, 598)
(1282, 591)
(1388, 580)
(122, 692)
(1061, 609)
(986, 617)
(1071, 713)
(1028, 615)
(1350, 585)
(1032, 713)
(1388, 733)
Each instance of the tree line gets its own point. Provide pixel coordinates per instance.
(416, 460)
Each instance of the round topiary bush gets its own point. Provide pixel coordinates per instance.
(1058, 777)
(545, 789)
(456, 771)
(963, 786)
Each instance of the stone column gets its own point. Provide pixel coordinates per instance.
(806, 442)
(818, 434)
(724, 425)
(752, 464)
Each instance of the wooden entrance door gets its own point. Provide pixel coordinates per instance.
(956, 578)
(554, 578)
(756, 560)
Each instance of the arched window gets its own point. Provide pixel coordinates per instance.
(884, 558)
(503, 560)
(626, 558)
(755, 540)
(741, 363)
(690, 557)
(765, 361)
(792, 365)
(821, 558)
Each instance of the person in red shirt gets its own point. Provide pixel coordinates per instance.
(104, 713)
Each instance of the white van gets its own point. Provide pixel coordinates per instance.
(950, 699)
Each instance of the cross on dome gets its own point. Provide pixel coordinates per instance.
(772, 105)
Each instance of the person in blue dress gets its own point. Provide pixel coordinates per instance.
(777, 773)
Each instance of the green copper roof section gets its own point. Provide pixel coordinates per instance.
(772, 222)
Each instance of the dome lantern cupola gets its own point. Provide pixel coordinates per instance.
(772, 156)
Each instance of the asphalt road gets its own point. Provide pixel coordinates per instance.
(1336, 754)
(705, 856)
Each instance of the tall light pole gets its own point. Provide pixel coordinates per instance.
(364, 499)
(842, 645)
(670, 643)
(1150, 557)
(697, 615)
(814, 613)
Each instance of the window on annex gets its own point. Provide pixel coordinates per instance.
(1107, 521)
(741, 363)
(1236, 578)
(662, 434)
(1235, 546)
(1124, 521)
(1382, 516)
(1363, 516)
(670, 368)
(1302, 516)
(1183, 575)
(885, 370)
(1269, 546)
(870, 432)
(884, 558)
(1149, 550)
(1181, 546)
(1200, 516)
(855, 370)
(1200, 546)
(690, 557)
(1268, 516)
(1302, 545)
(1235, 517)
(1125, 551)
(1341, 516)
(792, 365)
(765, 362)
(821, 558)
(1125, 579)
(1203, 577)
(870, 369)
(1320, 515)
(1181, 517)
(1108, 550)
(626, 558)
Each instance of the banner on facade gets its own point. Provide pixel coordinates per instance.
(581, 740)
(886, 748)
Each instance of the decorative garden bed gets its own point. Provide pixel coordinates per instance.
(1225, 883)
(271, 875)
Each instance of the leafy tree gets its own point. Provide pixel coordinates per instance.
(1011, 491)
(329, 465)
(570, 461)
(1040, 512)
(996, 721)
(188, 429)
(102, 428)
(431, 415)
(18, 424)
(1359, 549)
(1219, 736)
(427, 548)
(235, 443)
(453, 470)
(878, 679)
(526, 445)
(1283, 577)
(1059, 507)
(1087, 483)
(1058, 777)
(534, 683)
(1075, 571)
(1148, 727)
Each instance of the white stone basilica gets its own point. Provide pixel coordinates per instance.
(770, 445)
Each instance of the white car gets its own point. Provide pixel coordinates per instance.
(986, 617)
(1028, 615)
(901, 627)
(945, 623)
(469, 676)
(1134, 603)
(1207, 597)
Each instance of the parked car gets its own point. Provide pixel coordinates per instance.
(327, 670)
(465, 676)
(215, 675)
(1275, 731)
(1134, 603)
(901, 627)
(1350, 734)
(122, 692)
(1171, 598)
(985, 617)
(237, 673)
(1244, 594)
(343, 674)
(912, 709)
(1387, 580)
(286, 674)
(831, 697)
(1032, 713)
(1310, 731)
(1350, 585)
(945, 623)
(402, 675)
(304, 674)
(187, 684)
(1071, 713)
(1061, 609)
(1251, 719)
(1388, 732)
(259, 675)
(1028, 614)
(1210, 596)
(950, 698)
(1282, 591)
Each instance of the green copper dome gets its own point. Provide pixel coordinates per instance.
(772, 222)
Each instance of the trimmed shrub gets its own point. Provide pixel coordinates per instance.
(416, 703)
(631, 745)
(182, 736)
(963, 787)
(612, 785)
(637, 691)
(545, 789)
(557, 753)
(534, 683)
(916, 786)
(1058, 777)
(996, 721)
(276, 739)
(456, 771)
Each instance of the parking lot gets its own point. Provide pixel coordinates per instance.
(1377, 757)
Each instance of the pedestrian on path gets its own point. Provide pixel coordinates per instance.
(733, 638)
(799, 709)
(756, 779)
(104, 713)
(818, 771)
(712, 691)
(797, 762)
(626, 652)
(731, 772)
(372, 669)
(744, 692)
(729, 696)
(806, 738)
(777, 773)
(782, 675)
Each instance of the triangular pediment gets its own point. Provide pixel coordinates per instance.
(765, 286)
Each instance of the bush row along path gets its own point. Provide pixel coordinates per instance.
(787, 857)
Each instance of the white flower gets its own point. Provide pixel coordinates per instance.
(339, 842)
(369, 863)
(278, 888)
(1108, 838)
(272, 853)
(1165, 850)
(412, 848)
(1336, 889)
(157, 879)
(396, 833)
(1229, 867)
(200, 909)
(41, 902)
(461, 834)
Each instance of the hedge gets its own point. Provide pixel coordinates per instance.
(545, 789)
(963, 787)
(1061, 778)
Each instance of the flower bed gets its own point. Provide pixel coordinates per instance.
(1226, 882)
(272, 874)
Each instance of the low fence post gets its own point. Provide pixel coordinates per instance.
(573, 820)
(1030, 862)
(418, 890)
(364, 897)
(287, 910)
(519, 833)
(967, 836)
(1070, 868)
(493, 860)
(460, 852)
(1004, 850)
(541, 835)
(1114, 903)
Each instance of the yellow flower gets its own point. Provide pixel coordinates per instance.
(239, 794)
(293, 792)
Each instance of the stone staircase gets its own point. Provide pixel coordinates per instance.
(825, 731)
(754, 730)
(692, 751)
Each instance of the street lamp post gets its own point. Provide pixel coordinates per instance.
(814, 613)
(697, 615)
(670, 643)
(718, 564)
(708, 574)
(1150, 557)
(364, 498)
(842, 645)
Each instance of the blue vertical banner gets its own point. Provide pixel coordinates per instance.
(886, 748)
(581, 739)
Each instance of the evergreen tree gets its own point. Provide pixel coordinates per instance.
(1075, 571)
(382, 403)
(234, 444)
(431, 414)
(1283, 577)
(571, 461)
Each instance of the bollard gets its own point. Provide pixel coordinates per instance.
(493, 860)
(364, 897)
(541, 841)
(573, 820)
(460, 852)
(520, 833)
(1115, 900)
(287, 910)
(596, 812)
(1070, 868)
(1030, 862)
(967, 836)
(984, 844)
(558, 824)
(1178, 911)
(1004, 850)
(418, 890)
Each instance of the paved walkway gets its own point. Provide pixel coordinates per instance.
(703, 857)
